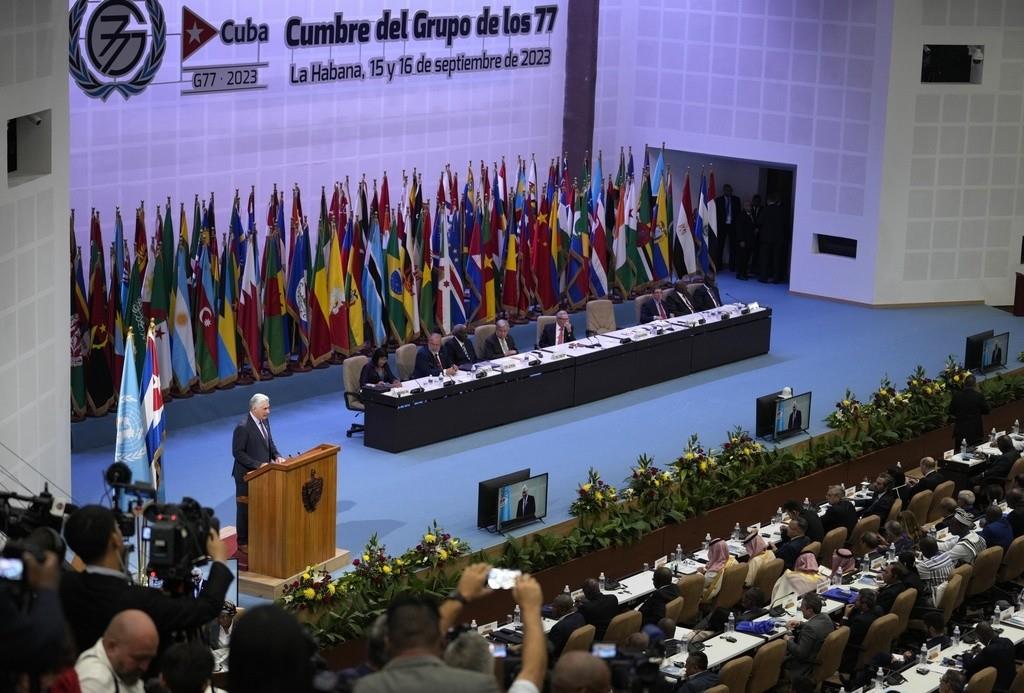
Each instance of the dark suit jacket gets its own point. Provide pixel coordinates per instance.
(999, 654)
(815, 528)
(789, 551)
(1015, 518)
(527, 508)
(560, 632)
(460, 353)
(677, 305)
(858, 623)
(701, 682)
(250, 449)
(998, 467)
(772, 224)
(881, 505)
(967, 407)
(737, 209)
(796, 419)
(370, 376)
(492, 348)
(600, 612)
(426, 364)
(927, 483)
(91, 600)
(702, 297)
(653, 608)
(649, 311)
(547, 335)
(842, 514)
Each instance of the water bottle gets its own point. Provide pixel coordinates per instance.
(472, 624)
(963, 447)
(890, 554)
(992, 435)
(778, 516)
(646, 567)
(707, 541)
(995, 618)
(1016, 427)
(517, 616)
(843, 487)
(899, 464)
(807, 503)
(922, 658)
(730, 625)
(836, 579)
(880, 678)
(567, 590)
(956, 635)
(864, 485)
(737, 533)
(600, 581)
(679, 553)
(931, 532)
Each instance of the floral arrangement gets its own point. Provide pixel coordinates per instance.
(849, 412)
(920, 385)
(436, 548)
(740, 448)
(593, 496)
(953, 374)
(647, 483)
(376, 566)
(314, 588)
(694, 458)
(887, 398)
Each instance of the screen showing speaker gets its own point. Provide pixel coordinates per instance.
(993, 351)
(792, 415)
(523, 501)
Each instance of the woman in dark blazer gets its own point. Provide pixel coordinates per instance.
(377, 371)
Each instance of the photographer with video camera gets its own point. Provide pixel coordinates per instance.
(91, 598)
(32, 632)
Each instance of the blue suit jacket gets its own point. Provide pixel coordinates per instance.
(426, 364)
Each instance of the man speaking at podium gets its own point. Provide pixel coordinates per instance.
(252, 446)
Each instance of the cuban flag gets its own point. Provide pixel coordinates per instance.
(153, 414)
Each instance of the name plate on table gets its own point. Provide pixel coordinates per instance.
(822, 587)
(934, 652)
(1006, 614)
(877, 563)
(754, 306)
(660, 562)
(488, 628)
(851, 491)
(943, 534)
(576, 595)
(756, 528)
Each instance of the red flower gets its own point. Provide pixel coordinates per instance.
(355, 562)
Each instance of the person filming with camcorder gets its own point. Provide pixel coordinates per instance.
(180, 536)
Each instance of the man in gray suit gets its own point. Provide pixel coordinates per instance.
(806, 639)
(415, 639)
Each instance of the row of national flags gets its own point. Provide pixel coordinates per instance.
(369, 271)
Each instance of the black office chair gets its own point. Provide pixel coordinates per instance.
(350, 371)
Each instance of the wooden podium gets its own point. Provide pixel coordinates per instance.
(292, 519)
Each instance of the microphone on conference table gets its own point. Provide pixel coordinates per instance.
(418, 389)
(745, 309)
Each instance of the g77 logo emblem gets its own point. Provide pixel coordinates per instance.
(114, 49)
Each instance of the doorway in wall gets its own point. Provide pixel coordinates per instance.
(752, 181)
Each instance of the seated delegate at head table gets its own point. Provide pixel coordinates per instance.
(500, 343)
(460, 347)
(655, 309)
(678, 301)
(431, 360)
(558, 332)
(705, 293)
(839, 513)
(377, 371)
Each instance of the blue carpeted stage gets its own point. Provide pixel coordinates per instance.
(817, 345)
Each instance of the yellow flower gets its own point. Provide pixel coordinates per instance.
(366, 558)
(429, 538)
(586, 486)
(689, 455)
(454, 543)
(703, 466)
(657, 482)
(305, 576)
(331, 588)
(442, 554)
(846, 402)
(386, 570)
(308, 593)
(666, 476)
(598, 496)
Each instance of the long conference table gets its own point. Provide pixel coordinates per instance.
(537, 382)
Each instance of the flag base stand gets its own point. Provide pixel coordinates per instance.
(268, 587)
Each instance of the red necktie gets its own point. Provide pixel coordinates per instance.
(559, 340)
(661, 310)
(437, 357)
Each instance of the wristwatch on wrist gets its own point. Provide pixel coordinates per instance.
(455, 595)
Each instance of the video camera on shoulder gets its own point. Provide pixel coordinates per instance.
(177, 534)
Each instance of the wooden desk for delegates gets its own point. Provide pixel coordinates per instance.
(565, 376)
